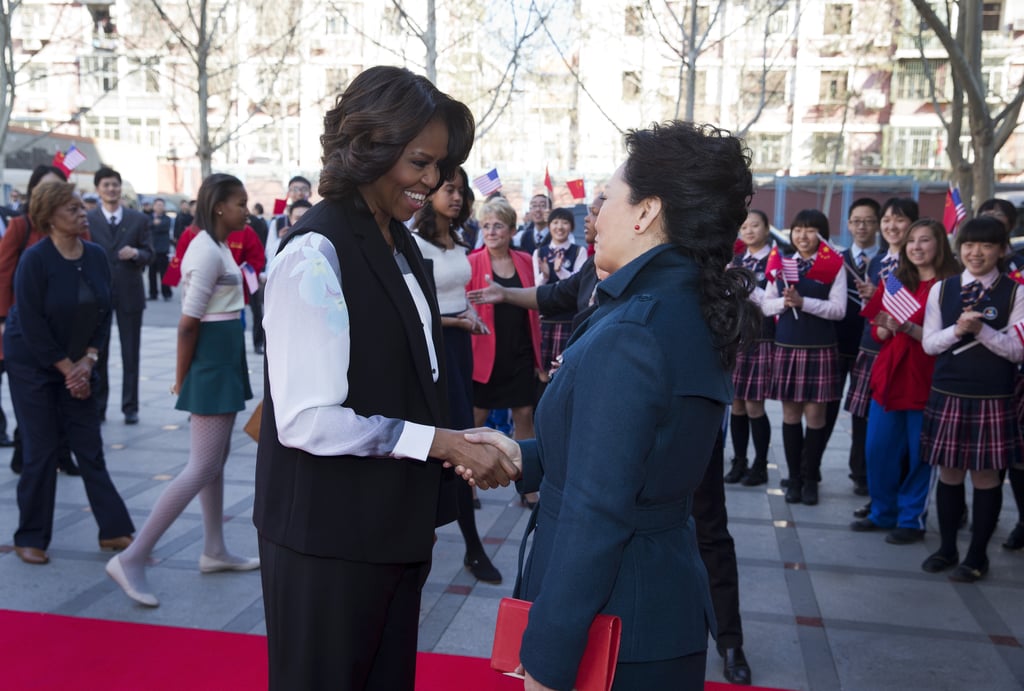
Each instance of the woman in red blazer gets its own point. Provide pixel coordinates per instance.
(506, 361)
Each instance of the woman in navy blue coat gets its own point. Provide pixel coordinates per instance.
(626, 427)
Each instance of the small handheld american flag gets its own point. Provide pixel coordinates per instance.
(488, 182)
(790, 271)
(898, 301)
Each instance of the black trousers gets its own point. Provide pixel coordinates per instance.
(256, 305)
(156, 273)
(129, 329)
(718, 550)
(43, 406)
(340, 625)
(680, 674)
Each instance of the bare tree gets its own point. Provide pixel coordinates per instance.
(989, 127)
(7, 86)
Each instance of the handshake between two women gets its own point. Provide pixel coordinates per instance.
(481, 456)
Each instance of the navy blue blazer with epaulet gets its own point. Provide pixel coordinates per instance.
(977, 372)
(624, 432)
(378, 510)
(867, 342)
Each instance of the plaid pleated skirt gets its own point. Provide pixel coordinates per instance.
(970, 433)
(553, 337)
(752, 377)
(1018, 398)
(858, 395)
(808, 375)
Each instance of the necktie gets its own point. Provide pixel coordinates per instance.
(750, 263)
(804, 265)
(113, 222)
(888, 266)
(860, 262)
(971, 294)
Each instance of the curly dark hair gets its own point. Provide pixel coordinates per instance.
(702, 176)
(380, 112)
(425, 223)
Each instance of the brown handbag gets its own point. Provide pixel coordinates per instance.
(252, 427)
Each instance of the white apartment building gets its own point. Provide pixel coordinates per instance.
(815, 86)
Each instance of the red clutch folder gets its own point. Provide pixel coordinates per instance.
(597, 668)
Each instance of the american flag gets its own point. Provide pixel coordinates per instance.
(73, 158)
(898, 301)
(1018, 329)
(488, 182)
(954, 212)
(790, 271)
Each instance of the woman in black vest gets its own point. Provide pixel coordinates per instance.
(349, 477)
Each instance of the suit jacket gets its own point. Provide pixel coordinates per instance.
(129, 293)
(377, 510)
(527, 241)
(624, 433)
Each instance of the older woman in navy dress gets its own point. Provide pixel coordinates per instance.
(627, 425)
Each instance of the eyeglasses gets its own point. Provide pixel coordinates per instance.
(862, 222)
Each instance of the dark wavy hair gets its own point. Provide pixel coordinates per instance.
(701, 174)
(372, 122)
(49, 197)
(945, 263)
(215, 189)
(425, 223)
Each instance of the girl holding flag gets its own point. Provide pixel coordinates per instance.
(970, 423)
(751, 377)
(900, 380)
(808, 292)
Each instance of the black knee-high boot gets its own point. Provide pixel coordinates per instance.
(793, 443)
(740, 432)
(814, 449)
(987, 504)
(761, 431)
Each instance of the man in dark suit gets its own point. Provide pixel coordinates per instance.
(534, 233)
(124, 234)
(160, 234)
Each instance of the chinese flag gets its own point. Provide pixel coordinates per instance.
(576, 189)
(58, 162)
(547, 183)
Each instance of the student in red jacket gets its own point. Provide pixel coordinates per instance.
(901, 379)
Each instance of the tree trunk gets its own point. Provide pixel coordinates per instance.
(691, 64)
(6, 77)
(430, 41)
(202, 54)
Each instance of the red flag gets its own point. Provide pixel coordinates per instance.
(954, 212)
(1017, 276)
(279, 206)
(547, 183)
(827, 264)
(576, 189)
(58, 162)
(774, 265)
(739, 247)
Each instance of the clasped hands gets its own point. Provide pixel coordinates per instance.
(482, 457)
(791, 298)
(76, 380)
(968, 323)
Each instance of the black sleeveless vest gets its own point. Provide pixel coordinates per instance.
(808, 331)
(380, 510)
(978, 372)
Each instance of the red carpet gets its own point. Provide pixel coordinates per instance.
(46, 651)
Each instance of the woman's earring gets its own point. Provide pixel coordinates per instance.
(636, 227)
(221, 213)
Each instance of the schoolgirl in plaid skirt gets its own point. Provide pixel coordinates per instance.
(555, 260)
(970, 422)
(752, 376)
(809, 298)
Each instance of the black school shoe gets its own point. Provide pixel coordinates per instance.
(940, 562)
(1015, 540)
(904, 536)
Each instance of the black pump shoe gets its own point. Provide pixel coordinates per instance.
(482, 569)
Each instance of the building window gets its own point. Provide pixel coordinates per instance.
(634, 20)
(838, 18)
(914, 79)
(915, 147)
(98, 73)
(825, 150)
(993, 80)
(991, 16)
(101, 127)
(631, 85)
(767, 151)
(778, 18)
(774, 89)
(833, 87)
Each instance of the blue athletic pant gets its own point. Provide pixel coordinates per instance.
(891, 434)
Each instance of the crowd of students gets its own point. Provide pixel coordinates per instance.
(923, 326)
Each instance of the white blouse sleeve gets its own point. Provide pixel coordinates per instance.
(771, 303)
(308, 351)
(832, 308)
(1005, 345)
(934, 338)
(201, 271)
